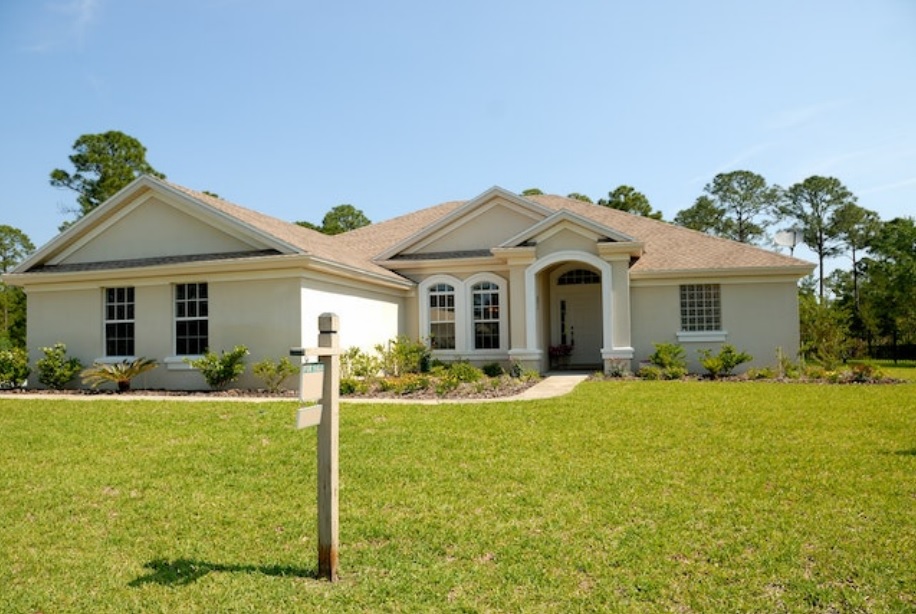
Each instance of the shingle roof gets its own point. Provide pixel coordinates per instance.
(668, 248)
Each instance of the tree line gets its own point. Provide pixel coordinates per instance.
(854, 311)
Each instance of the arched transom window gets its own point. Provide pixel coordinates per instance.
(464, 316)
(578, 277)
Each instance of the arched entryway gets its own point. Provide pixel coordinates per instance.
(576, 327)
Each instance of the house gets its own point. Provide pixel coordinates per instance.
(165, 272)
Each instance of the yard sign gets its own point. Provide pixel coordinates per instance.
(326, 416)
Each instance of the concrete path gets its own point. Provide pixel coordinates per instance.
(553, 385)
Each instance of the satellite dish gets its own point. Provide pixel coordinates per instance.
(788, 238)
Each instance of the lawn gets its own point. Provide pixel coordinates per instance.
(623, 496)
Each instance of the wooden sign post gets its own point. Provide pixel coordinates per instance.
(327, 417)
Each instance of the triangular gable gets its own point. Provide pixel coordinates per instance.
(481, 223)
(566, 220)
(149, 219)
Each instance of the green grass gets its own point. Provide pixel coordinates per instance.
(623, 496)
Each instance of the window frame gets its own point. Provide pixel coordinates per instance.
(125, 321)
(199, 304)
(700, 312)
(439, 291)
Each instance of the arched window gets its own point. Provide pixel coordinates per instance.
(578, 277)
(442, 316)
(485, 301)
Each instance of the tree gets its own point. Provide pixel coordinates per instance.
(626, 198)
(888, 294)
(578, 196)
(744, 198)
(703, 216)
(14, 247)
(339, 219)
(814, 204)
(104, 163)
(532, 192)
(857, 227)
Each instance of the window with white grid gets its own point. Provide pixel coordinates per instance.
(701, 307)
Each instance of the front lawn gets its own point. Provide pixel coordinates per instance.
(623, 496)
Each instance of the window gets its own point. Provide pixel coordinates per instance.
(119, 321)
(191, 323)
(485, 297)
(578, 277)
(442, 317)
(701, 307)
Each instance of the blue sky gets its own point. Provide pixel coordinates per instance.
(292, 107)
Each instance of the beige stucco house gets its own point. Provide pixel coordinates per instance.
(164, 272)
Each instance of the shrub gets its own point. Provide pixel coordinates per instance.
(618, 368)
(403, 355)
(405, 384)
(222, 370)
(668, 361)
(14, 367)
(464, 372)
(356, 363)
(272, 373)
(723, 363)
(352, 385)
(119, 373)
(55, 370)
(493, 369)
(762, 373)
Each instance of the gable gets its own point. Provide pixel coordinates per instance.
(152, 227)
(478, 225)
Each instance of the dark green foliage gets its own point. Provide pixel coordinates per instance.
(403, 355)
(119, 373)
(626, 198)
(668, 362)
(104, 163)
(56, 370)
(723, 363)
(272, 373)
(221, 370)
(493, 369)
(14, 367)
(824, 329)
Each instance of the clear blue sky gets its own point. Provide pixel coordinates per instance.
(292, 107)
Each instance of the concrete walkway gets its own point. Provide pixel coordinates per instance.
(553, 385)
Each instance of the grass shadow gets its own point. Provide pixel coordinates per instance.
(910, 452)
(181, 572)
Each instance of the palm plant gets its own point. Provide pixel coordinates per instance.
(119, 373)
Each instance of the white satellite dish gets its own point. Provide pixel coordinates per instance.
(788, 238)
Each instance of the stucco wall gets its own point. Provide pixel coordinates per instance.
(758, 317)
(366, 318)
(260, 314)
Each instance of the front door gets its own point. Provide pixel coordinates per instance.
(577, 321)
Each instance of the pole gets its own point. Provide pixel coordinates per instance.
(328, 436)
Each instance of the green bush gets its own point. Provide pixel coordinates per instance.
(493, 369)
(119, 373)
(723, 363)
(272, 373)
(464, 372)
(352, 385)
(668, 361)
(356, 363)
(403, 355)
(405, 384)
(220, 371)
(55, 370)
(14, 367)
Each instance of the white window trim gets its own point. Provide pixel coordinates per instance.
(460, 312)
(702, 336)
(469, 283)
(177, 361)
(464, 318)
(114, 359)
